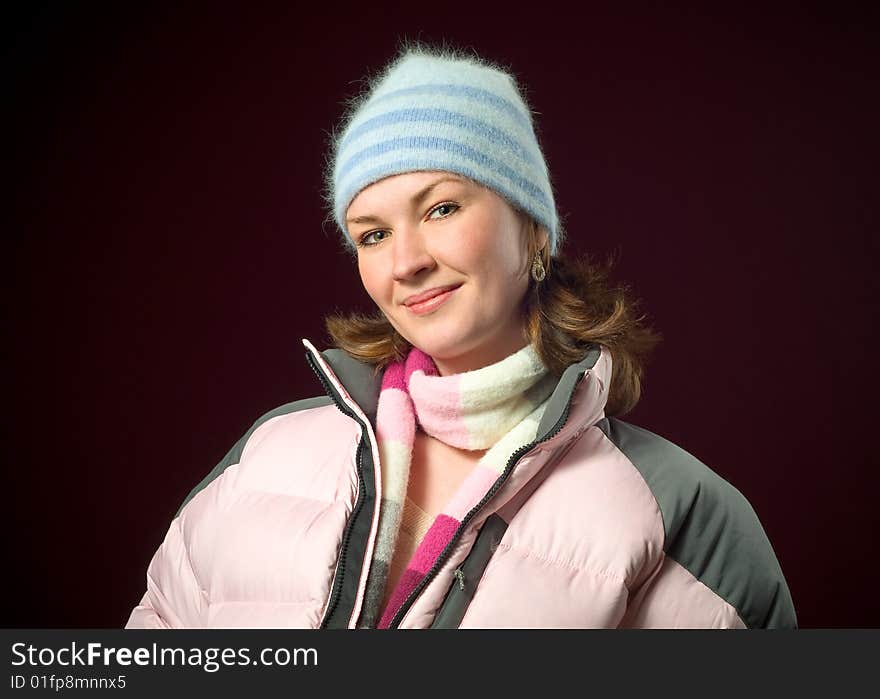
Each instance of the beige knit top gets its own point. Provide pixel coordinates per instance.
(414, 524)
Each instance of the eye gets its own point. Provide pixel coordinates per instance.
(448, 206)
(372, 238)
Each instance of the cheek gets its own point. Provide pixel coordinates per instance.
(501, 282)
(371, 280)
(492, 251)
(504, 244)
(507, 260)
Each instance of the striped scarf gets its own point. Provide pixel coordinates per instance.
(497, 407)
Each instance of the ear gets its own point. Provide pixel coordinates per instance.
(538, 237)
(534, 232)
(543, 237)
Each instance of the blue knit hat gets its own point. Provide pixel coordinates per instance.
(433, 110)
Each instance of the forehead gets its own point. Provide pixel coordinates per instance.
(401, 187)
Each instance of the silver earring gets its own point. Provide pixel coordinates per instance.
(538, 271)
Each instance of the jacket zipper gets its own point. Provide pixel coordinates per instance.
(336, 591)
(508, 469)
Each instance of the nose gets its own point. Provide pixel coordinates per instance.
(410, 255)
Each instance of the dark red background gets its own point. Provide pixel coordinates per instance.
(167, 255)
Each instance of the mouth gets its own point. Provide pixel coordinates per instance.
(427, 301)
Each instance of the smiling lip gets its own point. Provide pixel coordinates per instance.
(429, 300)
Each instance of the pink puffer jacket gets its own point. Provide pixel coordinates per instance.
(598, 523)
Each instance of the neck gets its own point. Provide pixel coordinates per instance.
(481, 356)
(472, 410)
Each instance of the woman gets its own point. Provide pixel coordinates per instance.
(465, 468)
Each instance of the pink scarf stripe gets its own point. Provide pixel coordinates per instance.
(445, 420)
(417, 360)
(409, 580)
(394, 419)
(394, 377)
(438, 536)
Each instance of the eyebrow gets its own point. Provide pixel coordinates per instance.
(416, 199)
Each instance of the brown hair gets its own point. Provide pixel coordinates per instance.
(574, 307)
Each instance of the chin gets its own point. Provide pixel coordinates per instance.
(438, 350)
(437, 342)
(447, 348)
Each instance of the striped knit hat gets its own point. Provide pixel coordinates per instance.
(441, 110)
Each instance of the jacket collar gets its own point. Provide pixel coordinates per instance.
(363, 381)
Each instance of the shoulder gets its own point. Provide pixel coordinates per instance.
(309, 422)
(710, 528)
(678, 480)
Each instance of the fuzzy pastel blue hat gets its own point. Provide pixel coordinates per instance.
(431, 110)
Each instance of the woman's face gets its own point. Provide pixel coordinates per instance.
(444, 259)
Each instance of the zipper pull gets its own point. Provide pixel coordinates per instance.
(459, 575)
